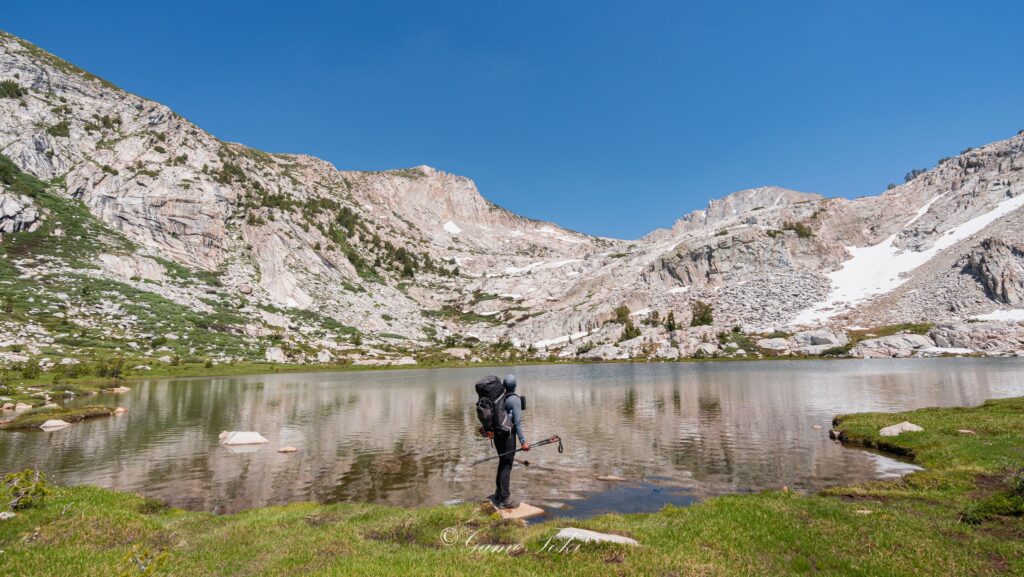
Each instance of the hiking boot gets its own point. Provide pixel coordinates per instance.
(493, 499)
(508, 504)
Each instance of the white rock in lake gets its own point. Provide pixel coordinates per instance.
(242, 438)
(54, 425)
(898, 428)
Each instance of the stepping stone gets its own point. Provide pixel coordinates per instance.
(523, 511)
(54, 425)
(610, 478)
(587, 536)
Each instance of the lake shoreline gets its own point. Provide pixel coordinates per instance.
(951, 518)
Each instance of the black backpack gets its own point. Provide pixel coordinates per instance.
(490, 406)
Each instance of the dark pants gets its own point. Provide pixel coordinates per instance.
(503, 443)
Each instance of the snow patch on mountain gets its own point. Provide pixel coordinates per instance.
(881, 268)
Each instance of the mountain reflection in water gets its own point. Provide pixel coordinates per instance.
(407, 437)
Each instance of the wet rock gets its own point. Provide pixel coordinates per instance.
(895, 430)
(54, 425)
(242, 438)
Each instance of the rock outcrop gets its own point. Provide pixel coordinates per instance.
(999, 268)
(17, 213)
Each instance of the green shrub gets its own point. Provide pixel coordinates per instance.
(837, 351)
(670, 321)
(62, 129)
(801, 229)
(703, 314)
(110, 368)
(622, 314)
(11, 89)
(30, 369)
(630, 331)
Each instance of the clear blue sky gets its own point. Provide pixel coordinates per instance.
(611, 118)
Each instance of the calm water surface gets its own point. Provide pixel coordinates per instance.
(676, 432)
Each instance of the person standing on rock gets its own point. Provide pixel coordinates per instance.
(505, 444)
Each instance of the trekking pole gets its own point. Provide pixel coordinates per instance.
(548, 441)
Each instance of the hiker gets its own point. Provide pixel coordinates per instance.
(510, 408)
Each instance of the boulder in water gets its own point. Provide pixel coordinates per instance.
(54, 425)
(242, 438)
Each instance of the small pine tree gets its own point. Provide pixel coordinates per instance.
(629, 331)
(670, 321)
(31, 369)
(703, 314)
(622, 314)
(653, 319)
(8, 304)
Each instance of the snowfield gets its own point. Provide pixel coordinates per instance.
(881, 268)
(1002, 315)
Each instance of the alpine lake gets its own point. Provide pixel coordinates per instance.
(671, 433)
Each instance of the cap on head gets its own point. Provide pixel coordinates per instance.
(510, 382)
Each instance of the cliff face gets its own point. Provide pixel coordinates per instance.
(303, 255)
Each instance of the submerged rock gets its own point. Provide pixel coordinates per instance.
(288, 450)
(895, 430)
(242, 438)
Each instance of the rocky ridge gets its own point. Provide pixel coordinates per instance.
(140, 232)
